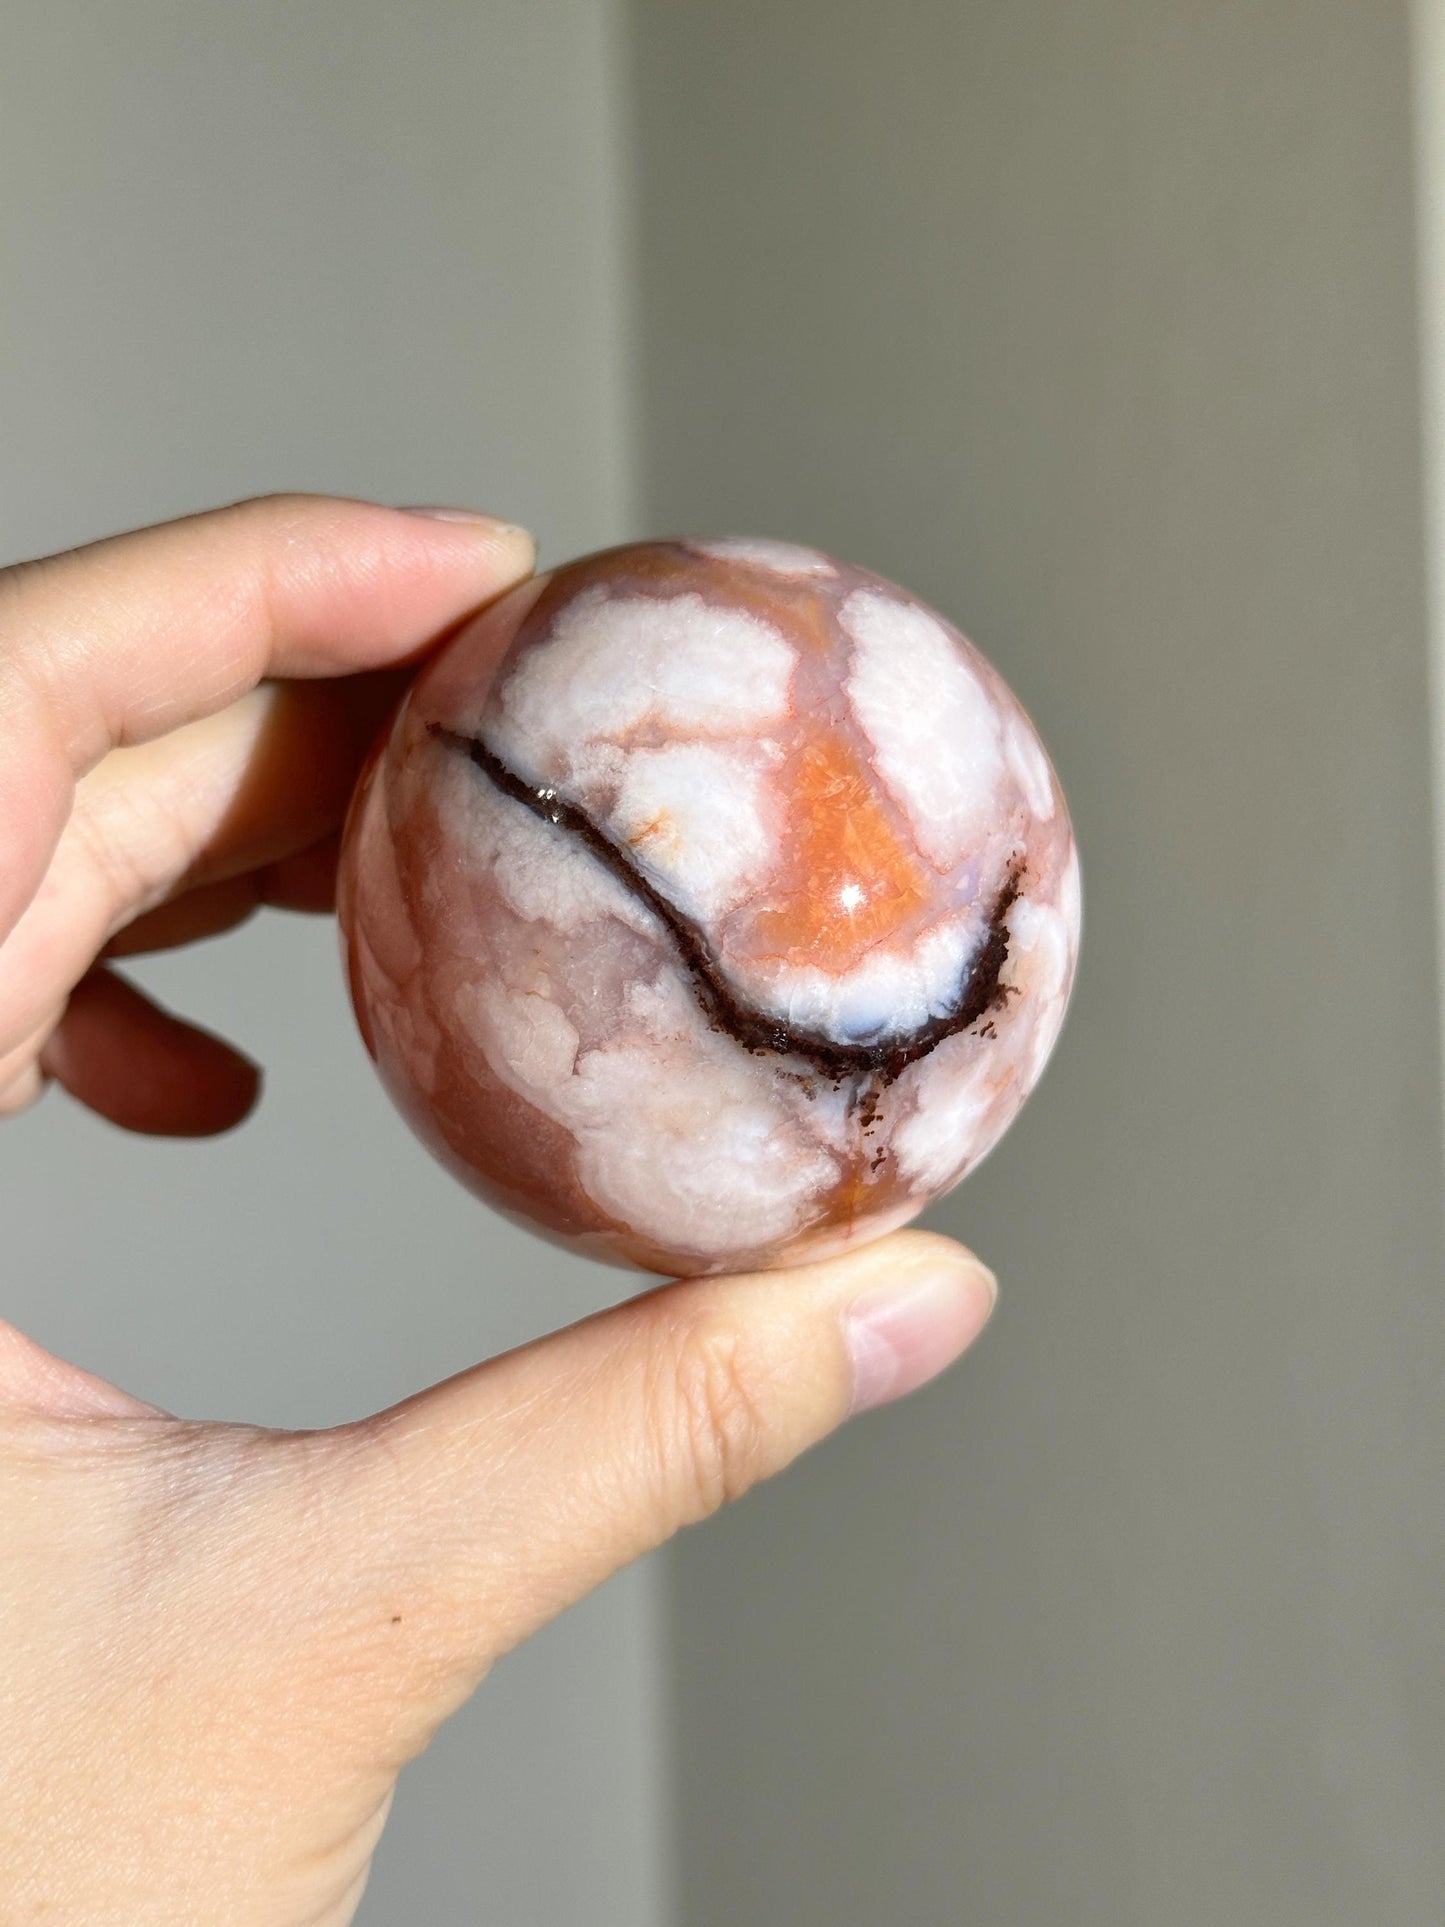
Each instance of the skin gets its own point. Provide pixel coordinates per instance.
(220, 1644)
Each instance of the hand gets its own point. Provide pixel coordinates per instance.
(218, 1644)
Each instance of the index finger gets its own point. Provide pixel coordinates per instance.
(130, 637)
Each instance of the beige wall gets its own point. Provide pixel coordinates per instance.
(373, 249)
(1096, 324)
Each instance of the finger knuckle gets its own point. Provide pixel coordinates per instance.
(718, 1420)
(20, 1089)
(278, 509)
(112, 851)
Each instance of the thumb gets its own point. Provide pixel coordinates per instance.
(489, 1503)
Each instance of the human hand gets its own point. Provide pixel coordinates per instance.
(219, 1644)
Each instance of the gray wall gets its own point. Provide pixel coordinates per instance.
(370, 249)
(1096, 324)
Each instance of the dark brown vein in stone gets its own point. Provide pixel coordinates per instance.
(981, 991)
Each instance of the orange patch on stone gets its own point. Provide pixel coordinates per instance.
(849, 881)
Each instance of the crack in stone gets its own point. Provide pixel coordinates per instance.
(980, 992)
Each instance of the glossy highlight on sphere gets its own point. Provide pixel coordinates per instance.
(709, 905)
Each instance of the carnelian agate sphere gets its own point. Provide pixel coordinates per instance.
(709, 905)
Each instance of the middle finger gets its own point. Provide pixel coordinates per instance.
(247, 788)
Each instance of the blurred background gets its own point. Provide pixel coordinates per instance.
(1113, 329)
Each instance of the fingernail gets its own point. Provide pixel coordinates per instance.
(901, 1337)
(434, 513)
(511, 548)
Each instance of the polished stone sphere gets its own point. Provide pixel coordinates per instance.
(709, 905)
